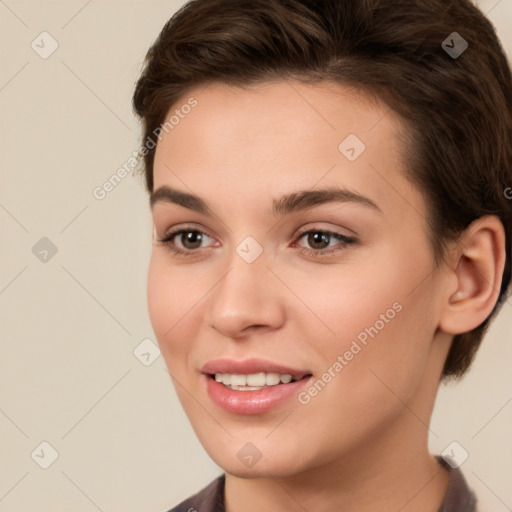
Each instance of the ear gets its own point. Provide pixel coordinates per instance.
(476, 270)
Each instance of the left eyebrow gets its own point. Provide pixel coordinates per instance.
(296, 201)
(305, 199)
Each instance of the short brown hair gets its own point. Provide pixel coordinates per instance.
(457, 108)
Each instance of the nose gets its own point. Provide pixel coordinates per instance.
(247, 298)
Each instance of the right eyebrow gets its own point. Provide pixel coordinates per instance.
(167, 194)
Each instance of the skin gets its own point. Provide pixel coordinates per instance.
(361, 443)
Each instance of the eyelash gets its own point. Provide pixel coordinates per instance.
(166, 240)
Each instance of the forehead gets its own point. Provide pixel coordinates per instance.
(274, 112)
(278, 136)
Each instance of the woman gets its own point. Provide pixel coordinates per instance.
(328, 183)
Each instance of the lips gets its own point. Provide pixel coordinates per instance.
(250, 400)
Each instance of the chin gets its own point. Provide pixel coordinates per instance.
(245, 460)
(262, 468)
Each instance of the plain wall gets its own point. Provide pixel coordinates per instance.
(70, 324)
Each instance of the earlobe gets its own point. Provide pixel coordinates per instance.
(478, 272)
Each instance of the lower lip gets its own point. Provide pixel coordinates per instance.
(252, 402)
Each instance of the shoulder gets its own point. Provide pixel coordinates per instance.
(208, 499)
(459, 497)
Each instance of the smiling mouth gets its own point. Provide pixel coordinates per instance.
(256, 381)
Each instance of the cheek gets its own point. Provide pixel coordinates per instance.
(172, 298)
(160, 300)
(344, 300)
(372, 315)
(382, 335)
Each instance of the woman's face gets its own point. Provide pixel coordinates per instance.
(279, 277)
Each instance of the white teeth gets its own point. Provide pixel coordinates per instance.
(271, 379)
(225, 378)
(238, 380)
(254, 381)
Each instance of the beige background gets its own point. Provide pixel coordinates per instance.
(69, 326)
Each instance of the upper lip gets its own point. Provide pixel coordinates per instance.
(249, 366)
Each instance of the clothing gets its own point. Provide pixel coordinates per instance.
(458, 498)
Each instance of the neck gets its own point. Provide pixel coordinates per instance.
(405, 480)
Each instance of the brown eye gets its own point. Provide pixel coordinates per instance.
(184, 241)
(191, 239)
(318, 239)
(319, 242)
